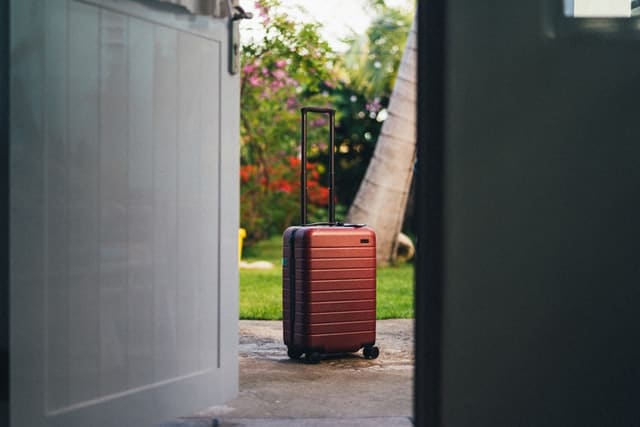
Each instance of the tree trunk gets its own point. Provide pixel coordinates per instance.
(382, 197)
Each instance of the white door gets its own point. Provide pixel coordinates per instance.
(124, 152)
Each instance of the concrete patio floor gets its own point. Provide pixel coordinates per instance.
(345, 390)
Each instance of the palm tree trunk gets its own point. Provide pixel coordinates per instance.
(382, 197)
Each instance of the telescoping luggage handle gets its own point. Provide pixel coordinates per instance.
(303, 174)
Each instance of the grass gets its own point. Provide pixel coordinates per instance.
(261, 290)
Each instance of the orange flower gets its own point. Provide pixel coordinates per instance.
(294, 162)
(245, 173)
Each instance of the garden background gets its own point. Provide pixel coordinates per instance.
(288, 66)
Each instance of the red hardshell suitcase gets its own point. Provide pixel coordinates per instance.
(328, 277)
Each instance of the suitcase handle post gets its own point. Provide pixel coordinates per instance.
(303, 174)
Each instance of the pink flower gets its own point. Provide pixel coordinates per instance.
(330, 83)
(280, 63)
(263, 10)
(374, 107)
(319, 122)
(276, 85)
(279, 74)
(248, 69)
(255, 81)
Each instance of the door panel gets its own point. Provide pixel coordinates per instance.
(530, 158)
(124, 213)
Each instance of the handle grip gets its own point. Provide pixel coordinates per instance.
(303, 173)
(325, 110)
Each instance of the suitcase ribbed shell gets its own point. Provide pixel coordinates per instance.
(329, 288)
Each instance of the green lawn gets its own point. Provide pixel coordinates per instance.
(261, 290)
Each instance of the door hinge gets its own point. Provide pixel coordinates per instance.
(236, 14)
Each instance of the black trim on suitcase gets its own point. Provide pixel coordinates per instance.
(292, 288)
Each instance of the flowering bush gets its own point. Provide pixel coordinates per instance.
(288, 68)
(269, 206)
(291, 66)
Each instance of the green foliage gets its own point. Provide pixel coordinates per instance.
(268, 250)
(369, 69)
(372, 61)
(261, 290)
(288, 68)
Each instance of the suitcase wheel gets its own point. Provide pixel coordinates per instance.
(293, 353)
(313, 357)
(371, 352)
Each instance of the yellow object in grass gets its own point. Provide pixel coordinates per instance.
(242, 233)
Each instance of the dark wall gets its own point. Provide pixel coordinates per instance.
(529, 195)
(4, 213)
